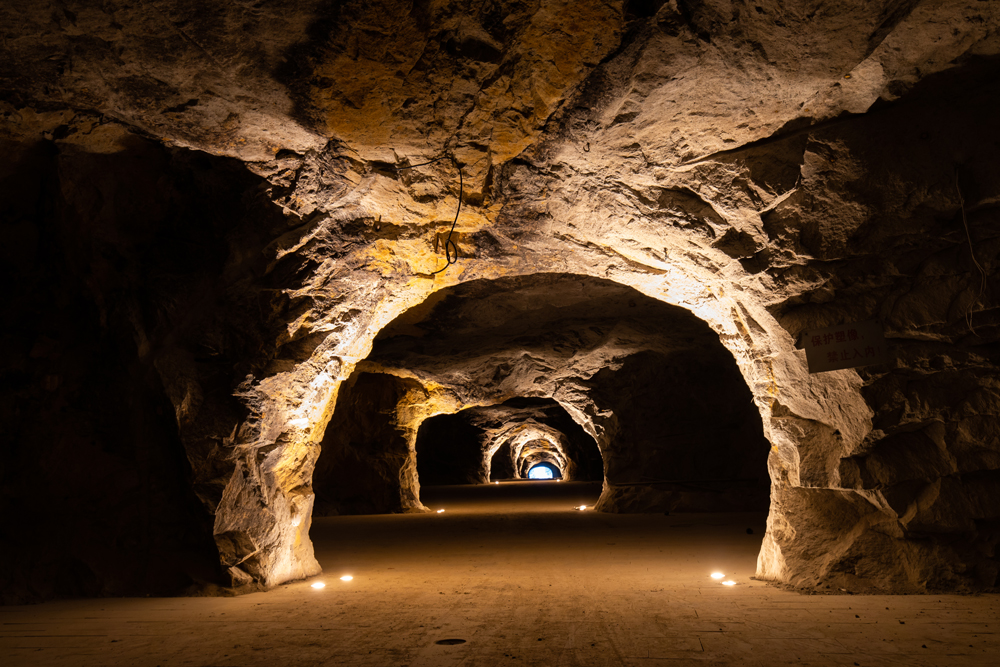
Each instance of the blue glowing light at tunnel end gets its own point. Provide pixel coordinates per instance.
(540, 472)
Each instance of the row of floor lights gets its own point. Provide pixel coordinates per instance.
(719, 575)
(320, 584)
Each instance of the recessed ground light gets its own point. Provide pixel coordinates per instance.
(346, 577)
(581, 507)
(717, 575)
(318, 585)
(729, 583)
(439, 511)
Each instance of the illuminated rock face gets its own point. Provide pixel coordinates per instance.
(767, 168)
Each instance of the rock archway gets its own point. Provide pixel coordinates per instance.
(526, 446)
(604, 325)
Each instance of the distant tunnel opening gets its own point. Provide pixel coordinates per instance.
(544, 470)
(505, 441)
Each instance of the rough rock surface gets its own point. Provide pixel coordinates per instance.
(770, 168)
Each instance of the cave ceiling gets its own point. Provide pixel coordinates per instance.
(616, 178)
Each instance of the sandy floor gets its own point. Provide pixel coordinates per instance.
(520, 578)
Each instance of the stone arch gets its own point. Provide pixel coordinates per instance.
(539, 451)
(812, 421)
(519, 436)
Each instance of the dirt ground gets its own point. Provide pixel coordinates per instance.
(512, 574)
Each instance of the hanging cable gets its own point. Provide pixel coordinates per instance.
(450, 247)
(982, 272)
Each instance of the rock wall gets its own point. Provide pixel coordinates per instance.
(920, 205)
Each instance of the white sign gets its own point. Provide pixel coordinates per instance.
(846, 346)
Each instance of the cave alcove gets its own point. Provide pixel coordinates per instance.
(449, 451)
(126, 340)
(502, 463)
(363, 449)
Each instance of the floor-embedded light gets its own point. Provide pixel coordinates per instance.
(581, 507)
(346, 577)
(439, 511)
(729, 583)
(318, 585)
(717, 575)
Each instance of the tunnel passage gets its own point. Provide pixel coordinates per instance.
(689, 436)
(486, 443)
(542, 460)
(649, 382)
(578, 450)
(363, 448)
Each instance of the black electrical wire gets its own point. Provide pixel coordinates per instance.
(450, 248)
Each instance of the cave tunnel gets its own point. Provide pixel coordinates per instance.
(300, 294)
(487, 444)
(663, 415)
